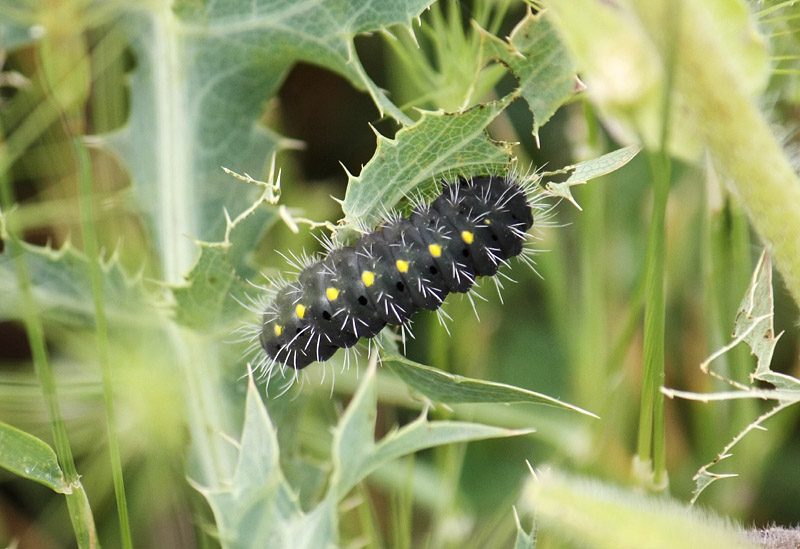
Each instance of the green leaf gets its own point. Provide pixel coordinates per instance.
(524, 539)
(704, 477)
(207, 301)
(599, 515)
(204, 72)
(256, 507)
(213, 293)
(356, 455)
(31, 458)
(440, 144)
(315, 529)
(60, 283)
(452, 389)
(754, 325)
(277, 34)
(585, 171)
(536, 56)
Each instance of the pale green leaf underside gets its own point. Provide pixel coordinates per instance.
(524, 540)
(255, 507)
(60, 283)
(30, 457)
(602, 165)
(204, 72)
(444, 387)
(587, 170)
(356, 454)
(258, 508)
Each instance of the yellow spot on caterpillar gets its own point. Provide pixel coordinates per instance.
(368, 278)
(332, 293)
(435, 250)
(278, 330)
(402, 266)
(467, 237)
(488, 221)
(300, 310)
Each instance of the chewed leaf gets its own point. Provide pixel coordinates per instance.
(754, 325)
(202, 75)
(590, 169)
(703, 478)
(215, 287)
(439, 143)
(786, 396)
(546, 72)
(206, 300)
(451, 389)
(30, 457)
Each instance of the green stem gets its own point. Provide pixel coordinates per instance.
(652, 409)
(208, 412)
(77, 500)
(93, 259)
(591, 317)
(651, 412)
(742, 144)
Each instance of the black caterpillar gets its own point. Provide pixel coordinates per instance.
(468, 231)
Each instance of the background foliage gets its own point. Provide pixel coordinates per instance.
(125, 248)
